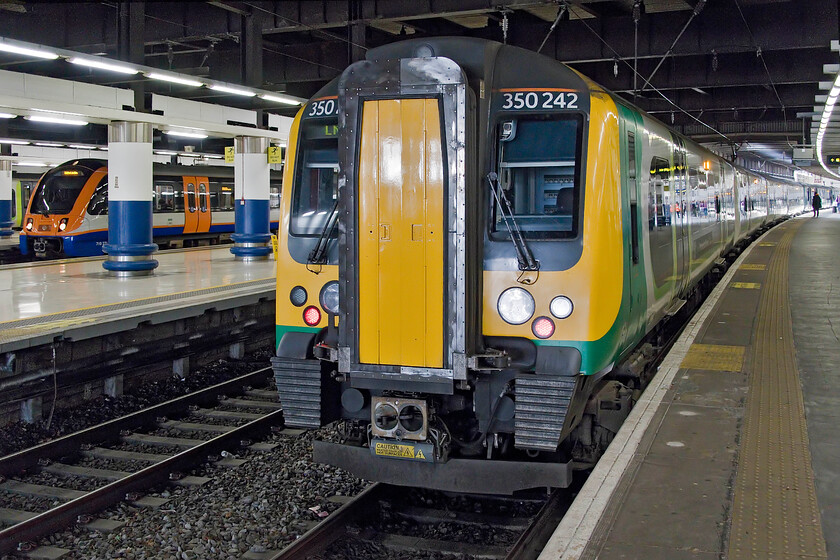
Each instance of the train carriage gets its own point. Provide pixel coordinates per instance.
(477, 239)
(67, 214)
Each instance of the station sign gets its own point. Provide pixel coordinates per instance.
(275, 154)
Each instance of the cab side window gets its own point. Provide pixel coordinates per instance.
(98, 205)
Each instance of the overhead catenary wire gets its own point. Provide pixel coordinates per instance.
(647, 83)
(697, 9)
(760, 55)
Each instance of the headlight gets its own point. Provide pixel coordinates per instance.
(516, 306)
(329, 297)
(62, 225)
(298, 296)
(29, 224)
(561, 307)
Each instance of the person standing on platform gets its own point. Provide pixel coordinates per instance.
(816, 204)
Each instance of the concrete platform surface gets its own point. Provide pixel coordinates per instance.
(732, 450)
(44, 300)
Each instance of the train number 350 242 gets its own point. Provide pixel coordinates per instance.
(540, 100)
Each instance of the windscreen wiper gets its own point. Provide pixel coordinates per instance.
(318, 255)
(524, 256)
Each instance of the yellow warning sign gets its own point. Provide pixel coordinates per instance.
(229, 154)
(274, 155)
(419, 454)
(395, 450)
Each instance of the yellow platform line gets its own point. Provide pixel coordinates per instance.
(752, 267)
(775, 512)
(746, 285)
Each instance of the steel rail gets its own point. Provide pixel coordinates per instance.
(12, 464)
(60, 517)
(333, 527)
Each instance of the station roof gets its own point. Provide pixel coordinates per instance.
(738, 75)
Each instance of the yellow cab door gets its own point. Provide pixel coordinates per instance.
(401, 234)
(203, 194)
(190, 206)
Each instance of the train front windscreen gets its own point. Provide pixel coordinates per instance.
(59, 189)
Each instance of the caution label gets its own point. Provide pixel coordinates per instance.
(416, 452)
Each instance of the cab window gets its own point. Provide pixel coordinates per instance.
(316, 181)
(539, 173)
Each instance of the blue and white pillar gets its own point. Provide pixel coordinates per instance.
(6, 198)
(130, 246)
(251, 177)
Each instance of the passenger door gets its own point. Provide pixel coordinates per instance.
(204, 211)
(190, 205)
(401, 234)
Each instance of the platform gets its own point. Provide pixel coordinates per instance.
(732, 451)
(78, 299)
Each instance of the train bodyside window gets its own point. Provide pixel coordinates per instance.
(634, 202)
(165, 200)
(98, 205)
(275, 197)
(659, 197)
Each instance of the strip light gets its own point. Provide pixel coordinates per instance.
(49, 144)
(82, 146)
(166, 153)
(15, 142)
(186, 134)
(7, 116)
(55, 120)
(38, 53)
(174, 79)
(234, 91)
(826, 117)
(102, 65)
(280, 99)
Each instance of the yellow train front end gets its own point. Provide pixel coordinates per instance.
(435, 294)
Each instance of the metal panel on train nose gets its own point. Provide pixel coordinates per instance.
(401, 237)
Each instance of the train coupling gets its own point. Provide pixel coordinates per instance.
(400, 429)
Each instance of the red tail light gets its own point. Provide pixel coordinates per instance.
(311, 315)
(543, 327)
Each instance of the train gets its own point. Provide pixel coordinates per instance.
(477, 247)
(67, 214)
(21, 192)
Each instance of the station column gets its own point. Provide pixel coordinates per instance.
(5, 198)
(130, 246)
(251, 190)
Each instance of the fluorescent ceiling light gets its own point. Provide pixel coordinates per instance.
(213, 156)
(174, 79)
(7, 116)
(166, 153)
(32, 164)
(102, 65)
(82, 146)
(185, 134)
(234, 91)
(49, 144)
(54, 120)
(13, 141)
(280, 99)
(189, 154)
(103, 148)
(6, 47)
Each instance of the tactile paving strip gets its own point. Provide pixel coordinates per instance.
(714, 357)
(14, 330)
(775, 512)
(746, 285)
(752, 267)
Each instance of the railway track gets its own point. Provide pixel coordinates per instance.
(195, 427)
(384, 521)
